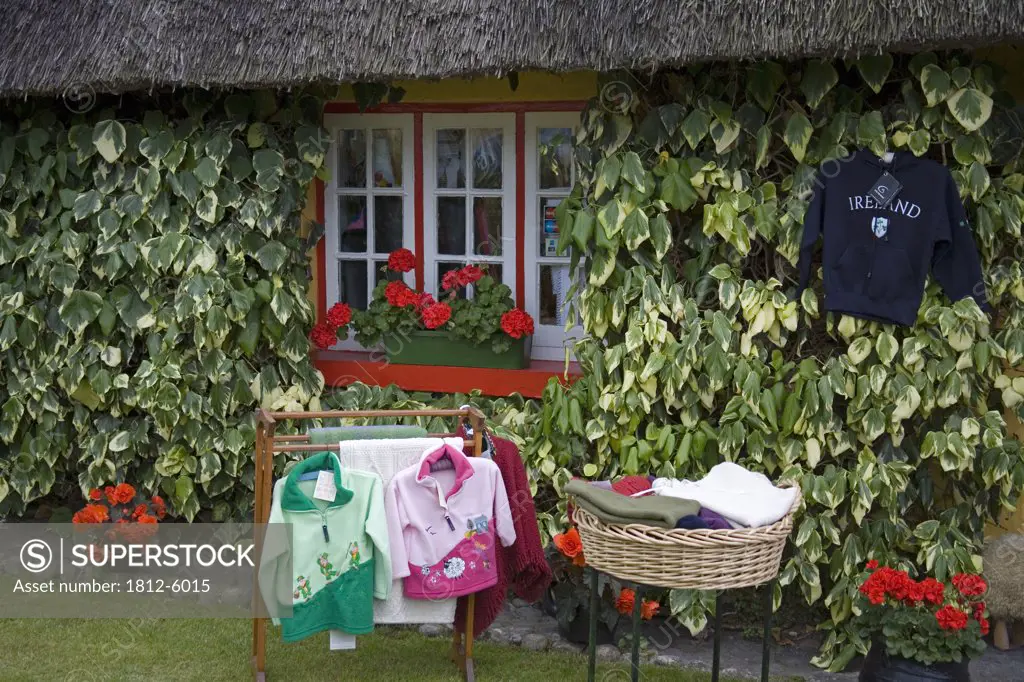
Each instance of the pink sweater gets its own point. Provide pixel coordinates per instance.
(442, 525)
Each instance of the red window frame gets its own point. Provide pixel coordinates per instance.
(341, 368)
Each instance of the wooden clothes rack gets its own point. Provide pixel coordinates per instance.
(267, 443)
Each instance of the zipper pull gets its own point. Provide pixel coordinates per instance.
(327, 537)
(451, 526)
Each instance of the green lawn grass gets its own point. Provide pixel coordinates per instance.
(38, 650)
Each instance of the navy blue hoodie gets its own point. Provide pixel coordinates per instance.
(875, 260)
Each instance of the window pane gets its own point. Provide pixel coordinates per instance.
(451, 165)
(387, 224)
(352, 283)
(554, 151)
(554, 290)
(387, 158)
(451, 225)
(487, 159)
(352, 223)
(487, 226)
(381, 272)
(548, 226)
(351, 158)
(493, 269)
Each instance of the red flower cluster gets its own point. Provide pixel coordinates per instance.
(626, 600)
(888, 582)
(951, 618)
(517, 323)
(339, 315)
(123, 493)
(969, 585)
(425, 300)
(436, 315)
(92, 513)
(400, 295)
(401, 260)
(120, 507)
(454, 279)
(323, 335)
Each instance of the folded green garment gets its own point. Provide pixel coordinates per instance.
(611, 507)
(333, 434)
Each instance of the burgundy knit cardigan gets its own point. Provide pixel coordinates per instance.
(522, 566)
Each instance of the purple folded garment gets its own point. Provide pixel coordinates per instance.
(605, 485)
(714, 521)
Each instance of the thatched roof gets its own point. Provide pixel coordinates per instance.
(49, 46)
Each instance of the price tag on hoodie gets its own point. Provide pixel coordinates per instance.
(885, 190)
(325, 488)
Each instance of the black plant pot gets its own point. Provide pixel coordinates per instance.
(578, 629)
(879, 666)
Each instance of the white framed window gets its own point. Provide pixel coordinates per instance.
(550, 175)
(369, 203)
(469, 195)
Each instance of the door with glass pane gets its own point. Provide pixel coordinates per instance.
(549, 178)
(368, 204)
(469, 191)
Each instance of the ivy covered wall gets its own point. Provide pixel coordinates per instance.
(689, 210)
(152, 291)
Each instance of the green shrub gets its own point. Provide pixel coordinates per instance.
(689, 209)
(152, 292)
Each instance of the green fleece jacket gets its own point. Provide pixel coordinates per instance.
(612, 507)
(332, 558)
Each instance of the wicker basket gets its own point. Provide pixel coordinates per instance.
(685, 559)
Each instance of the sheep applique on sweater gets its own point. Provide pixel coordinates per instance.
(444, 516)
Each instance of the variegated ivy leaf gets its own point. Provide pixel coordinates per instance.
(798, 135)
(875, 70)
(971, 108)
(819, 77)
(724, 133)
(109, 139)
(935, 83)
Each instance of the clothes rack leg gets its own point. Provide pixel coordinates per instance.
(634, 659)
(468, 671)
(592, 638)
(717, 650)
(766, 642)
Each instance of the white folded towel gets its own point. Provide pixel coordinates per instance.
(745, 497)
(386, 457)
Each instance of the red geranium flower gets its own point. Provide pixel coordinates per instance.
(91, 513)
(624, 604)
(124, 493)
(951, 618)
(140, 509)
(648, 609)
(323, 335)
(108, 491)
(571, 546)
(339, 315)
(934, 591)
(95, 494)
(450, 280)
(469, 275)
(969, 585)
(517, 323)
(984, 626)
(436, 315)
(424, 301)
(979, 611)
(401, 260)
(400, 295)
(146, 518)
(871, 565)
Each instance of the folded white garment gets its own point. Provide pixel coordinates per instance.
(744, 497)
(386, 457)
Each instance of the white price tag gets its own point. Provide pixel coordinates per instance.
(325, 488)
(342, 640)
